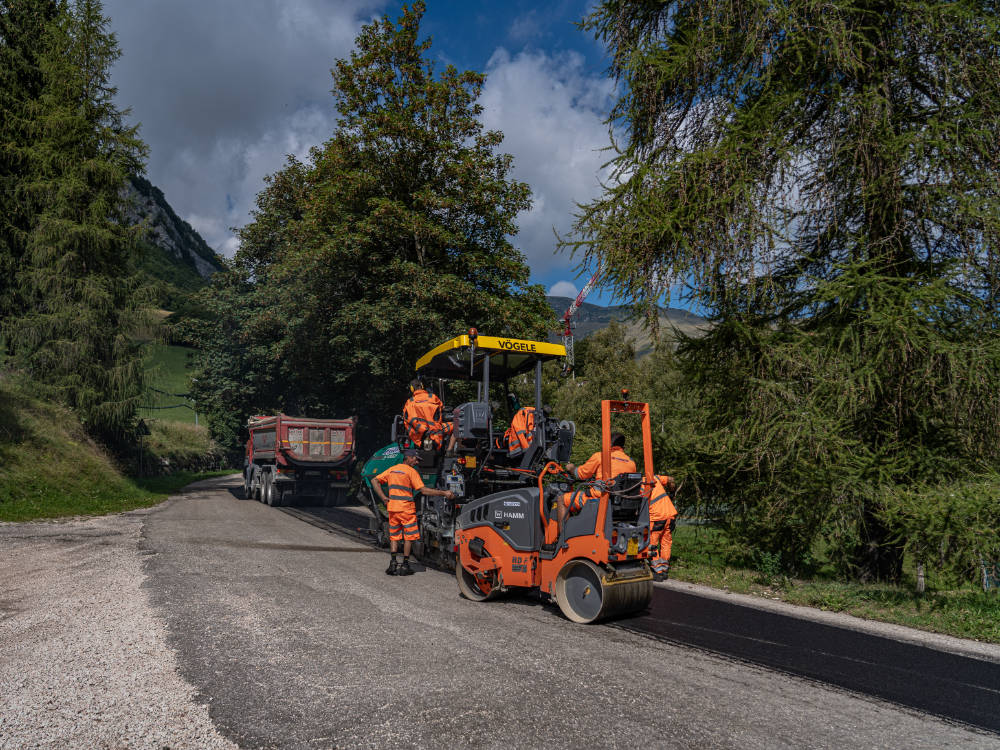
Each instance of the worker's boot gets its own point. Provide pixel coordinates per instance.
(660, 574)
(405, 569)
(393, 569)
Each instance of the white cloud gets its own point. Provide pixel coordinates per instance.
(226, 89)
(564, 289)
(551, 111)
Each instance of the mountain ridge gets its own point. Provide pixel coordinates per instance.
(591, 318)
(175, 260)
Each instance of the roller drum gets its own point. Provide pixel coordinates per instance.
(470, 588)
(585, 593)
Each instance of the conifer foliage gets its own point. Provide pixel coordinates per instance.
(826, 179)
(22, 25)
(76, 299)
(392, 238)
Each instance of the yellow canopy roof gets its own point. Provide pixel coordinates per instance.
(508, 357)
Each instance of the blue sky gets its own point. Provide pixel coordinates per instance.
(225, 89)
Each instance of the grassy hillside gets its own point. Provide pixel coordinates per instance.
(50, 468)
(171, 281)
(167, 368)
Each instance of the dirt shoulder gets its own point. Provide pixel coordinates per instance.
(83, 659)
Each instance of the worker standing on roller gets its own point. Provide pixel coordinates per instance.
(573, 502)
(422, 414)
(404, 482)
(662, 518)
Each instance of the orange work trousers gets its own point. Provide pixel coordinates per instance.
(661, 538)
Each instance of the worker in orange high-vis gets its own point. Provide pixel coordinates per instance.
(662, 518)
(573, 502)
(403, 482)
(422, 415)
(521, 432)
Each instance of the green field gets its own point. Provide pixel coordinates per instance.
(167, 368)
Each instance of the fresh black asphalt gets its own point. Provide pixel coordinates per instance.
(295, 638)
(939, 683)
(951, 686)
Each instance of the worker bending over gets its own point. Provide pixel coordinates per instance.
(422, 415)
(662, 518)
(573, 502)
(403, 483)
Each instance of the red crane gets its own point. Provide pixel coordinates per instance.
(568, 323)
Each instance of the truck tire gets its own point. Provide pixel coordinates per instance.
(258, 488)
(271, 496)
(266, 488)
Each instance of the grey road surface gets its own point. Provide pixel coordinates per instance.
(295, 637)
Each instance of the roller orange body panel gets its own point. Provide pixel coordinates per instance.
(526, 568)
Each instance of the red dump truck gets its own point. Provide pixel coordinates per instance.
(310, 459)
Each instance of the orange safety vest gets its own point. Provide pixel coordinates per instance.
(661, 506)
(401, 486)
(422, 414)
(521, 432)
(661, 513)
(620, 464)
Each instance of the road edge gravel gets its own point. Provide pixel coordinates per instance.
(85, 659)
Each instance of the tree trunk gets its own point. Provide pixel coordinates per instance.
(879, 558)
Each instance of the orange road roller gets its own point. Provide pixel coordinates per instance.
(594, 564)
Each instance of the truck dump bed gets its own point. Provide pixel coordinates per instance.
(301, 441)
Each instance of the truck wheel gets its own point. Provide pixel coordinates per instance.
(258, 491)
(270, 491)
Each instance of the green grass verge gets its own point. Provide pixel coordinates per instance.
(45, 501)
(699, 556)
(180, 446)
(49, 468)
(167, 485)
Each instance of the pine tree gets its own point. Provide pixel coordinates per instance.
(827, 181)
(22, 24)
(393, 238)
(76, 279)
